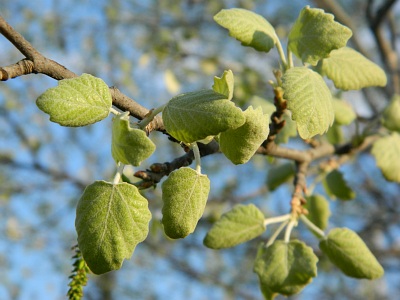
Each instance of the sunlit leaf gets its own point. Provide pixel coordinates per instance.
(111, 219)
(225, 84)
(391, 114)
(344, 112)
(349, 253)
(336, 186)
(78, 101)
(288, 131)
(386, 151)
(248, 27)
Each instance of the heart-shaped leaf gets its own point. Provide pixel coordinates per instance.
(130, 146)
(309, 100)
(194, 116)
(239, 225)
(184, 194)
(386, 151)
(78, 101)
(111, 219)
(349, 253)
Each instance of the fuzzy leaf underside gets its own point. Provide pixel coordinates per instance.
(239, 225)
(194, 116)
(348, 252)
(184, 195)
(386, 151)
(309, 100)
(315, 34)
(110, 221)
(249, 28)
(78, 101)
(130, 146)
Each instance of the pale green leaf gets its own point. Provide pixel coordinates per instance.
(248, 27)
(241, 224)
(225, 84)
(349, 253)
(309, 100)
(386, 151)
(288, 131)
(350, 70)
(111, 219)
(129, 146)
(194, 116)
(315, 34)
(391, 114)
(344, 112)
(285, 268)
(318, 210)
(335, 134)
(279, 174)
(78, 101)
(184, 194)
(267, 106)
(240, 144)
(336, 186)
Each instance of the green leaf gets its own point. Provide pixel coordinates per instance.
(318, 210)
(386, 151)
(184, 194)
(335, 134)
(344, 112)
(77, 101)
(285, 268)
(350, 70)
(111, 219)
(279, 174)
(241, 224)
(288, 131)
(130, 146)
(348, 252)
(248, 27)
(194, 116)
(336, 186)
(390, 116)
(309, 100)
(225, 84)
(267, 106)
(240, 144)
(315, 34)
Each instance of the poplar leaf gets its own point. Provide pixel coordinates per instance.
(225, 84)
(318, 210)
(285, 268)
(111, 219)
(344, 112)
(249, 28)
(279, 174)
(391, 114)
(129, 146)
(336, 186)
(348, 252)
(240, 144)
(78, 101)
(194, 116)
(241, 224)
(315, 34)
(386, 151)
(309, 100)
(184, 194)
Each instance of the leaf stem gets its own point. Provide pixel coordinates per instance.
(281, 53)
(114, 111)
(312, 226)
(118, 175)
(276, 219)
(289, 228)
(196, 153)
(290, 58)
(276, 233)
(150, 116)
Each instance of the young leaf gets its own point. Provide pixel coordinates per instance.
(194, 116)
(267, 106)
(111, 219)
(336, 186)
(279, 174)
(129, 145)
(285, 268)
(350, 70)
(78, 101)
(243, 223)
(225, 84)
(315, 34)
(348, 252)
(390, 116)
(318, 210)
(248, 27)
(309, 100)
(344, 112)
(240, 144)
(184, 194)
(386, 151)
